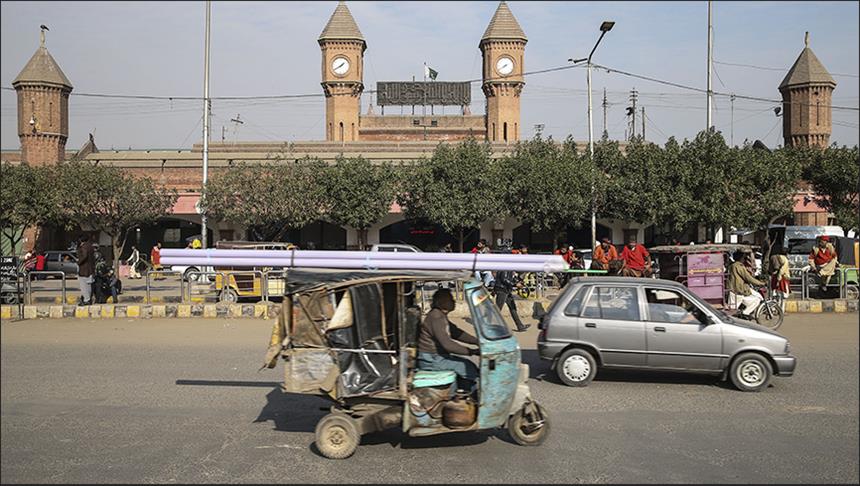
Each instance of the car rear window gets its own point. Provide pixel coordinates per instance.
(617, 303)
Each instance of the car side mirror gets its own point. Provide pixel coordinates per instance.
(538, 311)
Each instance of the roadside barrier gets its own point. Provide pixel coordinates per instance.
(29, 286)
(149, 275)
(198, 278)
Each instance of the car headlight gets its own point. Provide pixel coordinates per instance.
(787, 347)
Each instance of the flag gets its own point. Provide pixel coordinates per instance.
(430, 72)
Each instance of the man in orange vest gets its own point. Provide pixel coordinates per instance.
(604, 253)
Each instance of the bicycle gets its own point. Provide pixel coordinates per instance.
(769, 311)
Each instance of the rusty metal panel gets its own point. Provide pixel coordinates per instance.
(401, 93)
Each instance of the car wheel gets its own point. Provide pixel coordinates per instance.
(529, 426)
(576, 367)
(229, 296)
(751, 372)
(337, 436)
(190, 276)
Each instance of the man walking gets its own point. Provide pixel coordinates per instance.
(86, 268)
(505, 295)
(155, 259)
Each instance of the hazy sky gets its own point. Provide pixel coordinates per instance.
(270, 48)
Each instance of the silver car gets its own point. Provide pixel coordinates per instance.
(620, 322)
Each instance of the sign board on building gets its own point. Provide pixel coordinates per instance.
(457, 93)
(8, 269)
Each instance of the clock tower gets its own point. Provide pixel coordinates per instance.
(342, 47)
(502, 47)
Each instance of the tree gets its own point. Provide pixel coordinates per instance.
(457, 188)
(25, 200)
(270, 198)
(107, 199)
(707, 173)
(834, 174)
(359, 193)
(547, 185)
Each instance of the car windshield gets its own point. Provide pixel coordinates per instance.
(800, 246)
(487, 317)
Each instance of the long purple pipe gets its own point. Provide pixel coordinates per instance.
(360, 255)
(550, 264)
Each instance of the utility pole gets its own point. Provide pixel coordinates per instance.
(223, 129)
(710, 65)
(643, 123)
(236, 122)
(733, 121)
(207, 107)
(634, 96)
(605, 105)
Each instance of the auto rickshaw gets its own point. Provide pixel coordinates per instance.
(352, 337)
(235, 283)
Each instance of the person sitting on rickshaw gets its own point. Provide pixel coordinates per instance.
(822, 260)
(739, 282)
(437, 341)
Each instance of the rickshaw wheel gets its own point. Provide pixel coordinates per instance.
(337, 436)
(229, 296)
(529, 426)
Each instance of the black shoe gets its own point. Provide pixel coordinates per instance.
(524, 328)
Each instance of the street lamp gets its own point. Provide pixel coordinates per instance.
(605, 27)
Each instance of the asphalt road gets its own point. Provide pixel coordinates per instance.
(180, 400)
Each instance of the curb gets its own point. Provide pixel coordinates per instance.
(145, 311)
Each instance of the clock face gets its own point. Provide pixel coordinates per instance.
(340, 66)
(505, 66)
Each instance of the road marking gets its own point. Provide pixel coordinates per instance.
(279, 446)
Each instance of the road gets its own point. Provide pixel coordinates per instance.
(180, 400)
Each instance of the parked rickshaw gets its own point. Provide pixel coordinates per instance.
(351, 337)
(235, 283)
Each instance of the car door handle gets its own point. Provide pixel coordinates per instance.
(590, 324)
(660, 329)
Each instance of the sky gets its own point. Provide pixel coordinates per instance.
(270, 48)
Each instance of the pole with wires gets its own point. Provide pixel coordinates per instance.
(206, 113)
(710, 65)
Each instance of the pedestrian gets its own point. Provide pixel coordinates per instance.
(86, 268)
(780, 276)
(504, 287)
(603, 253)
(155, 259)
(447, 248)
(637, 260)
(132, 261)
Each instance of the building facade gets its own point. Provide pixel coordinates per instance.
(43, 123)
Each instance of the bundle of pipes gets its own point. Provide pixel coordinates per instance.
(364, 260)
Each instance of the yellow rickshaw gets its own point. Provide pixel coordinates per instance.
(235, 283)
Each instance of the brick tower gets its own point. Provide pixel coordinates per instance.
(43, 108)
(806, 98)
(503, 46)
(342, 47)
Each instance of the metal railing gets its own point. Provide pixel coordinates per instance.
(267, 276)
(29, 287)
(192, 279)
(840, 276)
(149, 275)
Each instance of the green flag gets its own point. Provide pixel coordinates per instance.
(430, 72)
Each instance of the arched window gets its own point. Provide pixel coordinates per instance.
(51, 114)
(353, 132)
(341, 131)
(505, 131)
(494, 132)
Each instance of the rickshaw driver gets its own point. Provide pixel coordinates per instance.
(437, 341)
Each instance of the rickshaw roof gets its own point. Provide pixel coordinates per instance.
(712, 248)
(303, 280)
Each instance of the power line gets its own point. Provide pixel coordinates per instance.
(716, 93)
(776, 69)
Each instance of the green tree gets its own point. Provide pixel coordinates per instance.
(705, 163)
(25, 200)
(269, 198)
(834, 174)
(360, 193)
(547, 185)
(107, 199)
(456, 188)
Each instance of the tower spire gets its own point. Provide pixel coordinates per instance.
(42, 28)
(806, 39)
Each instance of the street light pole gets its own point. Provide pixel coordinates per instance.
(604, 28)
(206, 108)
